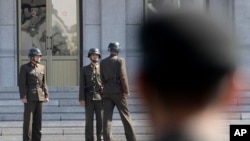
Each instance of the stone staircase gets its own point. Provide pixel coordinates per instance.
(239, 109)
(63, 118)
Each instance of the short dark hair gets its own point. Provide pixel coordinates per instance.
(185, 56)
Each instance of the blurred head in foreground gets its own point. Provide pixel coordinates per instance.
(187, 71)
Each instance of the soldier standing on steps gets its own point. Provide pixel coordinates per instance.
(115, 92)
(90, 95)
(33, 92)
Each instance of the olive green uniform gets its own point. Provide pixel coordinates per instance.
(114, 78)
(90, 85)
(32, 85)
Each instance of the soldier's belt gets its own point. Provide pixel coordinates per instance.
(34, 86)
(93, 90)
(112, 81)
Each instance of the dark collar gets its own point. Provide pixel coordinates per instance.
(33, 64)
(112, 55)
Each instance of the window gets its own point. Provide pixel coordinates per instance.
(221, 9)
(153, 6)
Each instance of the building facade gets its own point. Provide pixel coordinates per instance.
(66, 29)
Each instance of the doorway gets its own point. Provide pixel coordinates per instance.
(53, 27)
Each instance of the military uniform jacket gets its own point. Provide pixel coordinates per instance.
(90, 83)
(114, 75)
(30, 86)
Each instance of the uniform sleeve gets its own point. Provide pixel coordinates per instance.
(101, 73)
(123, 76)
(82, 85)
(22, 82)
(45, 84)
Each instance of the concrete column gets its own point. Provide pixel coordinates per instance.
(223, 10)
(242, 14)
(113, 24)
(134, 18)
(91, 27)
(8, 44)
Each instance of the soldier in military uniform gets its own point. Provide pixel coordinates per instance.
(33, 92)
(115, 92)
(90, 95)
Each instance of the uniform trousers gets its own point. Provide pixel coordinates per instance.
(32, 121)
(93, 107)
(110, 101)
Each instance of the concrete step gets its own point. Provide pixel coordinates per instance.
(61, 102)
(65, 109)
(63, 105)
(79, 109)
(75, 89)
(244, 94)
(70, 124)
(116, 130)
(74, 138)
(72, 130)
(54, 89)
(243, 101)
(67, 116)
(51, 89)
(52, 95)
(237, 108)
(12, 93)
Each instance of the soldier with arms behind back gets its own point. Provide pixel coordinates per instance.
(115, 92)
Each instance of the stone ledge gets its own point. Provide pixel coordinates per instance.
(72, 123)
(68, 116)
(51, 89)
(245, 116)
(243, 101)
(75, 102)
(244, 94)
(19, 103)
(54, 96)
(240, 122)
(116, 130)
(74, 138)
(66, 109)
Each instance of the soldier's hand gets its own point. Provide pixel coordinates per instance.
(125, 95)
(82, 103)
(24, 100)
(101, 90)
(46, 100)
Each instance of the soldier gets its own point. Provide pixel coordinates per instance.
(115, 92)
(33, 92)
(90, 95)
